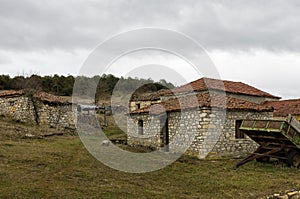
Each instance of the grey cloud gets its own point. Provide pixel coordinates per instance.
(271, 25)
(31, 24)
(4, 59)
(237, 25)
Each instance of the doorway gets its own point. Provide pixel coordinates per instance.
(164, 134)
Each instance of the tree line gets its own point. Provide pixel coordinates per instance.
(63, 85)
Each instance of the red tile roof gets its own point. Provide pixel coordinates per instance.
(203, 100)
(149, 96)
(205, 84)
(10, 93)
(284, 107)
(45, 97)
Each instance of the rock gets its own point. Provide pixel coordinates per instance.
(28, 135)
(294, 194)
(283, 197)
(105, 143)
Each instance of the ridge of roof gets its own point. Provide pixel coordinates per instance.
(283, 101)
(205, 83)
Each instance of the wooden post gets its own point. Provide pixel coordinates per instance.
(105, 121)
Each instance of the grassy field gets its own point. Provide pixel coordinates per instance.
(60, 167)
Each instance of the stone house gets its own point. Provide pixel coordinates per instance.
(205, 113)
(37, 107)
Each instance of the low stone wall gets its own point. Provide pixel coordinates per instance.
(19, 109)
(58, 116)
(22, 109)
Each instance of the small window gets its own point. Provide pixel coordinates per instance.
(238, 133)
(140, 127)
(138, 106)
(11, 103)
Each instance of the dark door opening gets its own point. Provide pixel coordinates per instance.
(164, 135)
(140, 127)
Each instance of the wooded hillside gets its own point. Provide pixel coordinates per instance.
(63, 85)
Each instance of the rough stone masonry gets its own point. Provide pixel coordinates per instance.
(38, 109)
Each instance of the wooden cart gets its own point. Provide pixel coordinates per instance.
(276, 138)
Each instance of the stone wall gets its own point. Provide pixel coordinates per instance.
(142, 104)
(22, 109)
(19, 109)
(184, 130)
(228, 144)
(56, 116)
(209, 133)
(151, 130)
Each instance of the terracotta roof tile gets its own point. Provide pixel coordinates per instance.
(285, 107)
(205, 84)
(203, 100)
(46, 97)
(149, 96)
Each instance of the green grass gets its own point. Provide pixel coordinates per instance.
(60, 167)
(112, 131)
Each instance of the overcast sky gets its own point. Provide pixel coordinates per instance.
(256, 42)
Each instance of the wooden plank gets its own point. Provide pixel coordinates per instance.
(256, 155)
(260, 129)
(267, 137)
(295, 124)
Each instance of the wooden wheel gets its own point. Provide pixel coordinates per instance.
(294, 159)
